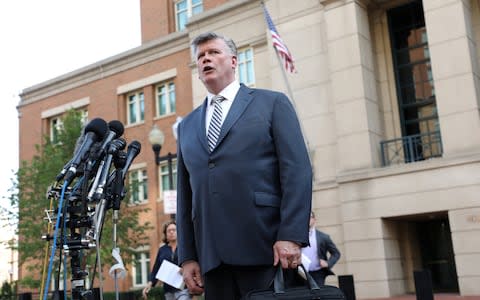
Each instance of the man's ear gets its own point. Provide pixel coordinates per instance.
(234, 61)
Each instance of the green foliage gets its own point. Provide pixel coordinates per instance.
(7, 292)
(29, 194)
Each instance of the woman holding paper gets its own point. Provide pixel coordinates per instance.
(167, 252)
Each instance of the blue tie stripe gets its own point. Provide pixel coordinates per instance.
(215, 122)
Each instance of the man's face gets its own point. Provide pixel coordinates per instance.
(216, 65)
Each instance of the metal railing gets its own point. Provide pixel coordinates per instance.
(411, 148)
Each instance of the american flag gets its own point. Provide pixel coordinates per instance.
(278, 43)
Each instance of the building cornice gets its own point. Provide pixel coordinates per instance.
(143, 54)
(407, 168)
(197, 20)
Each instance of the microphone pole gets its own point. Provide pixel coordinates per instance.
(118, 192)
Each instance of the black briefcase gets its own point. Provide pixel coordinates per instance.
(310, 290)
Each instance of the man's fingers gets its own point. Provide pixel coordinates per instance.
(194, 285)
(198, 279)
(276, 256)
(196, 290)
(284, 261)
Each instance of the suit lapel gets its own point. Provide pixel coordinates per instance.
(201, 129)
(242, 100)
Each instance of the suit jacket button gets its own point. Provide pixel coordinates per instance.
(211, 165)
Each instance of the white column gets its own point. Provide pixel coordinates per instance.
(465, 228)
(350, 56)
(455, 73)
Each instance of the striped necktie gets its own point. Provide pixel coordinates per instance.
(215, 122)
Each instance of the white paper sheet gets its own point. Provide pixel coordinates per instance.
(306, 263)
(117, 269)
(169, 273)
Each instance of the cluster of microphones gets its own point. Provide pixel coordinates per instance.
(99, 146)
(97, 173)
(100, 164)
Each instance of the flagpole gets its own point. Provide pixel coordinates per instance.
(290, 93)
(292, 100)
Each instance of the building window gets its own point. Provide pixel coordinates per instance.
(184, 9)
(141, 268)
(165, 99)
(415, 87)
(245, 68)
(135, 108)
(84, 117)
(56, 125)
(138, 186)
(165, 176)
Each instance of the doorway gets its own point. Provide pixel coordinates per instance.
(436, 252)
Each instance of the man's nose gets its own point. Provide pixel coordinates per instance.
(206, 57)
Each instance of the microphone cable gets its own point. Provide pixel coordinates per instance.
(54, 246)
(45, 260)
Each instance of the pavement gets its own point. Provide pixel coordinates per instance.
(437, 296)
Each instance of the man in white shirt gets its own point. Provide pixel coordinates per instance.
(320, 244)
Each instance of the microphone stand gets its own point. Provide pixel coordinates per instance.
(84, 212)
(118, 192)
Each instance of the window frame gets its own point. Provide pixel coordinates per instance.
(53, 129)
(138, 103)
(248, 64)
(145, 265)
(56, 125)
(141, 181)
(190, 8)
(164, 176)
(169, 95)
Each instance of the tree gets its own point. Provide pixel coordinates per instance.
(7, 291)
(34, 179)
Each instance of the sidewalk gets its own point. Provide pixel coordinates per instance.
(438, 296)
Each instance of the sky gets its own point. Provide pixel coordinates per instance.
(41, 40)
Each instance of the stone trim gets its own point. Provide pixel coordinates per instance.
(63, 108)
(134, 85)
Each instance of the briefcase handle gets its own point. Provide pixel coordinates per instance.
(279, 282)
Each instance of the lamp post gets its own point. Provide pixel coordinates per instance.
(156, 137)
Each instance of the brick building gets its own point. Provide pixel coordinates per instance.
(388, 96)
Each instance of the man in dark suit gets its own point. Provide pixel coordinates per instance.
(322, 253)
(243, 200)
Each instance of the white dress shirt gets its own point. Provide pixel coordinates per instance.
(311, 251)
(229, 93)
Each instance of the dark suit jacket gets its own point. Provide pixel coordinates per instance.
(326, 245)
(164, 253)
(254, 188)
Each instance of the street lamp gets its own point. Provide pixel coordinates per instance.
(156, 137)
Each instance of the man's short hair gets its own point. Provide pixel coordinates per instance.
(208, 36)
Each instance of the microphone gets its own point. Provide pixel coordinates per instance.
(94, 131)
(100, 182)
(115, 130)
(132, 151)
(78, 144)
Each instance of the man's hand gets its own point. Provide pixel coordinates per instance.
(287, 253)
(146, 290)
(323, 263)
(192, 277)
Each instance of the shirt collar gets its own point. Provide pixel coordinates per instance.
(229, 92)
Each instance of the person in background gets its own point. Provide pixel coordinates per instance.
(322, 253)
(244, 181)
(167, 252)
